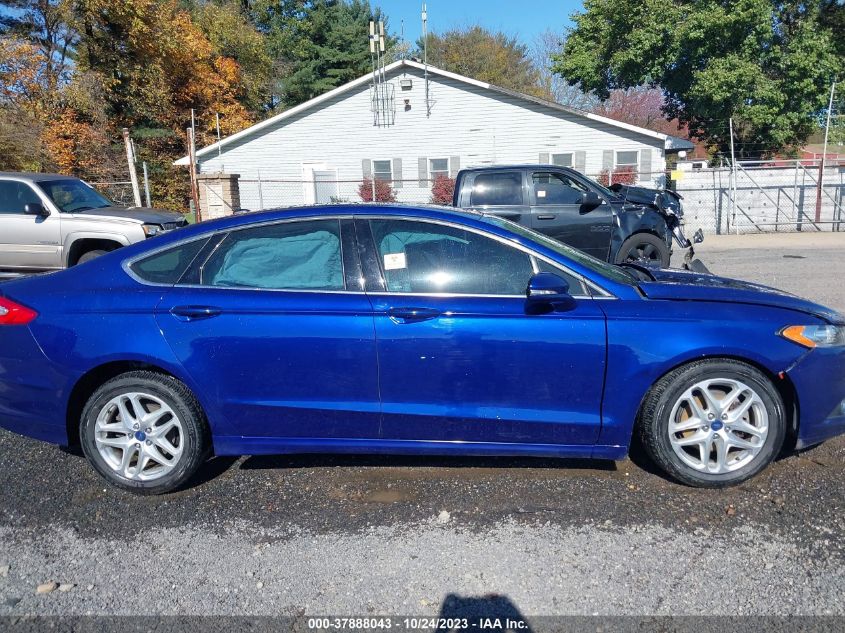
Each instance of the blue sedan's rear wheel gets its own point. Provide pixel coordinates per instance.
(144, 432)
(713, 423)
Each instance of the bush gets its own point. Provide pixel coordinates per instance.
(626, 175)
(442, 190)
(384, 191)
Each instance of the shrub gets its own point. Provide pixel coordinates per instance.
(626, 175)
(442, 189)
(384, 191)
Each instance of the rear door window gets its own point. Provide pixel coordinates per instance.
(301, 255)
(501, 188)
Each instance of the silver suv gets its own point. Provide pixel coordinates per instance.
(49, 222)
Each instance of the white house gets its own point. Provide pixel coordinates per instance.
(412, 123)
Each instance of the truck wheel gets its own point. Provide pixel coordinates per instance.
(644, 248)
(87, 257)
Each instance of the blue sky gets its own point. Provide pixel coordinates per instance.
(521, 18)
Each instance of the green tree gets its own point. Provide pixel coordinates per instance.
(766, 64)
(481, 54)
(317, 45)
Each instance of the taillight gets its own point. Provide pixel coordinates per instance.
(12, 313)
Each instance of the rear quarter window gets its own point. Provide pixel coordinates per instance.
(501, 188)
(168, 266)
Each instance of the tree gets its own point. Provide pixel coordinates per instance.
(495, 58)
(543, 49)
(640, 106)
(317, 45)
(232, 35)
(767, 65)
(47, 26)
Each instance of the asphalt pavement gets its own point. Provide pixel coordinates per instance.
(295, 535)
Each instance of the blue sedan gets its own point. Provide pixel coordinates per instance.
(395, 329)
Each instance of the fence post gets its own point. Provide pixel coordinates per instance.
(260, 193)
(133, 175)
(147, 185)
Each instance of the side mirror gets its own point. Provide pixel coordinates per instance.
(35, 208)
(547, 289)
(589, 201)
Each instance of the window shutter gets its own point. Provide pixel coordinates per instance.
(645, 165)
(397, 173)
(367, 168)
(607, 160)
(454, 166)
(580, 162)
(544, 158)
(423, 172)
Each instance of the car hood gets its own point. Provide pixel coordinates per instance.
(685, 285)
(663, 200)
(142, 214)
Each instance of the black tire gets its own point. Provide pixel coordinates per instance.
(195, 445)
(644, 248)
(653, 423)
(89, 255)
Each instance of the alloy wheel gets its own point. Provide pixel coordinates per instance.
(139, 436)
(718, 426)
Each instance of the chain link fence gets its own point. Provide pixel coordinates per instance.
(757, 197)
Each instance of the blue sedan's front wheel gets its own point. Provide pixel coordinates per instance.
(713, 423)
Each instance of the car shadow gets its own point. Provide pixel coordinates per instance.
(491, 612)
(321, 460)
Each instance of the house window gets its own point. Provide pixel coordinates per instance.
(562, 160)
(438, 167)
(383, 170)
(628, 159)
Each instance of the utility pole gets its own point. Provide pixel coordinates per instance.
(425, 58)
(733, 177)
(824, 154)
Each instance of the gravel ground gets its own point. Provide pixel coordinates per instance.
(369, 535)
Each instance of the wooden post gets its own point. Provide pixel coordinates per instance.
(133, 175)
(193, 167)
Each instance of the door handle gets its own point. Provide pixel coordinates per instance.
(546, 217)
(194, 313)
(412, 315)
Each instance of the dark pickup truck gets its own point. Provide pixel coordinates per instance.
(617, 224)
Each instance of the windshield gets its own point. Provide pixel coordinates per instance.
(73, 195)
(614, 273)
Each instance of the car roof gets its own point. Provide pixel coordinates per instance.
(34, 177)
(515, 166)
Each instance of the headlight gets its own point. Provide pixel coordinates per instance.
(152, 229)
(815, 335)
